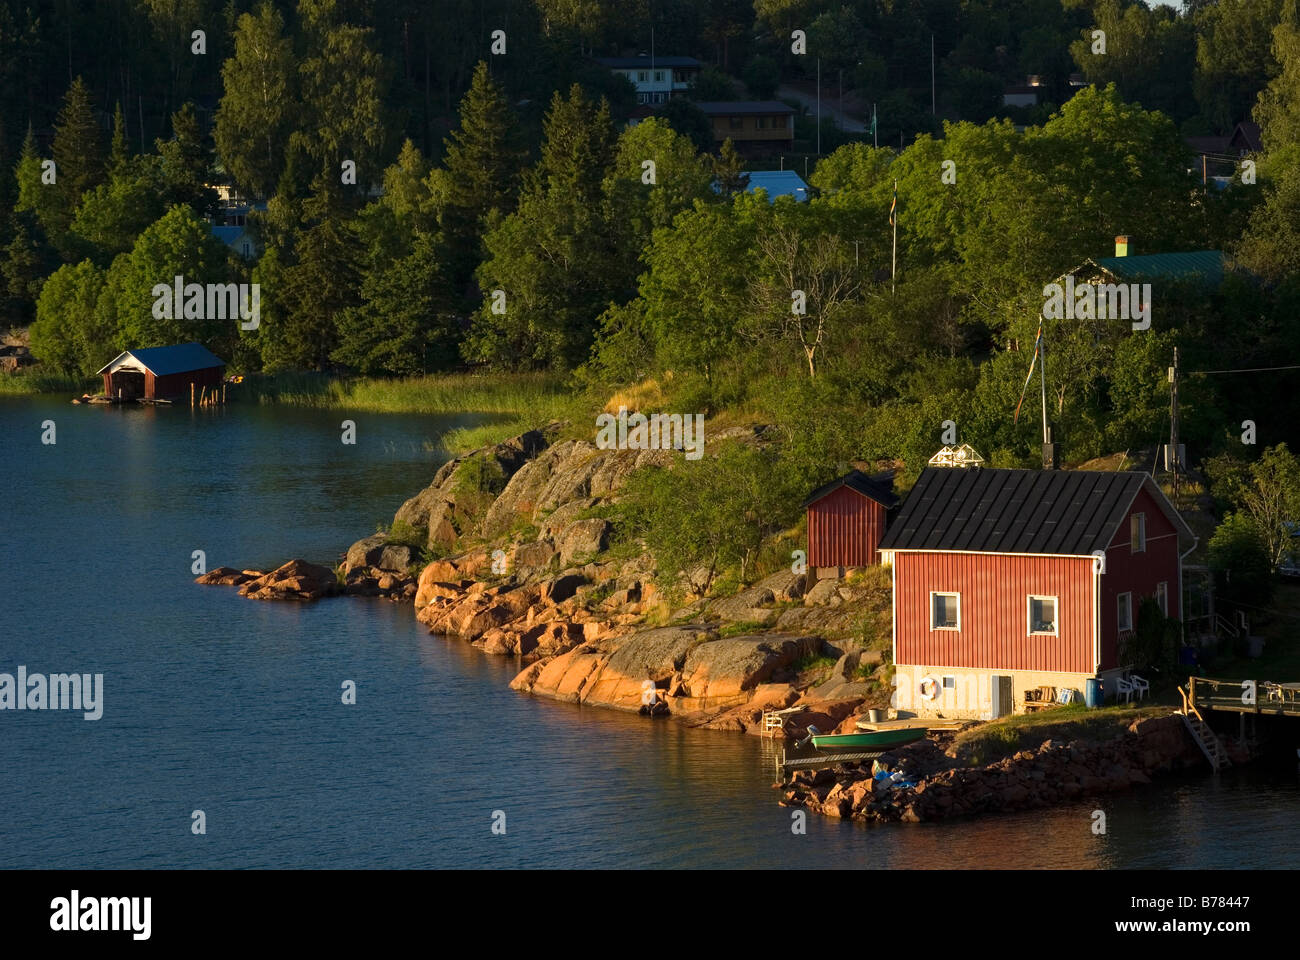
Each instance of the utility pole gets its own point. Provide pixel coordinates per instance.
(932, 75)
(819, 106)
(1172, 458)
(1049, 452)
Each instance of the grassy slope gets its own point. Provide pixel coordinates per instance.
(1001, 738)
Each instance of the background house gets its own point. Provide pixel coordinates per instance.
(846, 519)
(752, 125)
(657, 79)
(1007, 580)
(160, 373)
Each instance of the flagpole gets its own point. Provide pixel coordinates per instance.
(875, 134)
(893, 265)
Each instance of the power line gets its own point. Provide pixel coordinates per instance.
(1294, 366)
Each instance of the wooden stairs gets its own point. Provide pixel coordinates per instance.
(1208, 741)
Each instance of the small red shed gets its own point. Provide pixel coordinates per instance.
(158, 373)
(846, 519)
(1008, 580)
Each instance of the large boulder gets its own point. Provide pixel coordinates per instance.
(582, 538)
(295, 580)
(824, 593)
(378, 552)
(746, 606)
(228, 577)
(785, 585)
(732, 667)
(536, 557)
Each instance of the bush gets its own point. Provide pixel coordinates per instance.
(712, 513)
(1240, 563)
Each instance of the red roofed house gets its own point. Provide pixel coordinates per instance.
(846, 519)
(1008, 580)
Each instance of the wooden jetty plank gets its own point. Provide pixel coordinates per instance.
(825, 760)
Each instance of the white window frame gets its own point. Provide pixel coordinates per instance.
(1162, 596)
(945, 593)
(1124, 602)
(659, 76)
(642, 75)
(1140, 534)
(1029, 615)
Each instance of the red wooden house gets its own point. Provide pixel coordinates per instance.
(1008, 580)
(846, 519)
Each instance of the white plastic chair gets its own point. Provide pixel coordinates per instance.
(1139, 685)
(1123, 689)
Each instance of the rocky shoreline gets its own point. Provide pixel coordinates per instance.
(524, 569)
(935, 786)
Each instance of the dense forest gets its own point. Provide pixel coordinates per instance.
(499, 216)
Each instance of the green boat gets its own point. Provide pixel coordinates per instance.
(875, 738)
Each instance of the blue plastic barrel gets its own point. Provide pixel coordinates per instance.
(1092, 693)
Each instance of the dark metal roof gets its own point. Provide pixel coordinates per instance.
(1054, 512)
(734, 108)
(646, 63)
(872, 488)
(181, 358)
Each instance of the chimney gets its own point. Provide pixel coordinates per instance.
(1121, 246)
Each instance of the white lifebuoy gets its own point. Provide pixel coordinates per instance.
(929, 688)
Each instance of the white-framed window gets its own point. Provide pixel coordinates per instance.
(641, 97)
(641, 76)
(945, 611)
(1137, 533)
(950, 683)
(1162, 596)
(659, 76)
(1124, 611)
(1042, 615)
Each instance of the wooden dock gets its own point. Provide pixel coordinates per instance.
(1244, 696)
(786, 764)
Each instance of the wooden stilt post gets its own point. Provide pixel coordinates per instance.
(202, 395)
(191, 394)
(223, 393)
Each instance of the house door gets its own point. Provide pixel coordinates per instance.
(1000, 690)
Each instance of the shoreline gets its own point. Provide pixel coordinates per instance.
(528, 567)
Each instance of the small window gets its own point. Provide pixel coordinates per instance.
(945, 611)
(641, 76)
(737, 123)
(1042, 615)
(1137, 530)
(1124, 611)
(761, 123)
(950, 683)
(659, 76)
(1162, 596)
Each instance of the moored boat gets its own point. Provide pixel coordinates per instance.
(874, 738)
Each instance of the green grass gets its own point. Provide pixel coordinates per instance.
(29, 384)
(1001, 738)
(515, 402)
(813, 662)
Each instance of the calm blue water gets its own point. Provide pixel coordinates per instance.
(231, 706)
